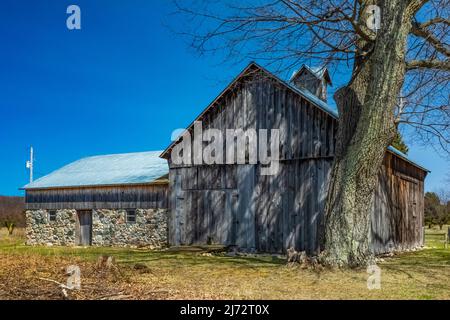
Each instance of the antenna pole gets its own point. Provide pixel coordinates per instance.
(30, 164)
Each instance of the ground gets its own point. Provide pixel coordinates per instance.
(196, 273)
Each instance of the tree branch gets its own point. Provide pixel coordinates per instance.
(419, 31)
(428, 64)
(434, 21)
(416, 5)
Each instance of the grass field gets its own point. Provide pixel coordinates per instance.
(193, 273)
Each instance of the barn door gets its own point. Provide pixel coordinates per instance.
(409, 231)
(85, 222)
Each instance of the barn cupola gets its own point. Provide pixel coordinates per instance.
(315, 80)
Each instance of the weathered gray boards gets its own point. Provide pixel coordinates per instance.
(85, 225)
(236, 205)
(145, 196)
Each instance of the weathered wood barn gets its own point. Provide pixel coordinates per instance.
(234, 204)
(107, 200)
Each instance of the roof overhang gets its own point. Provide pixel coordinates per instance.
(157, 182)
(165, 182)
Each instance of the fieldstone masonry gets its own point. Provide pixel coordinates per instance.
(41, 231)
(109, 228)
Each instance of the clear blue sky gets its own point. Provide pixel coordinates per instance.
(122, 83)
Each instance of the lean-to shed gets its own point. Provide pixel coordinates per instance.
(118, 199)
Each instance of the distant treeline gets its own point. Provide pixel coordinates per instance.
(12, 210)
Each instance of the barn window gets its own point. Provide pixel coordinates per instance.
(52, 215)
(131, 216)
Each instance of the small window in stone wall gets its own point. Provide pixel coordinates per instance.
(52, 215)
(131, 216)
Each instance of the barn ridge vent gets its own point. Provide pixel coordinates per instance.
(315, 80)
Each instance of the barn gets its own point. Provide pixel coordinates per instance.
(237, 204)
(110, 200)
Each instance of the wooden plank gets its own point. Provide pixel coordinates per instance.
(246, 214)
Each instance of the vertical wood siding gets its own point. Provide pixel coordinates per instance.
(398, 207)
(114, 197)
(236, 205)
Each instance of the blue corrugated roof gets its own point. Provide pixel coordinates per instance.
(114, 169)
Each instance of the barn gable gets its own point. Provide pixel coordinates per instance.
(246, 79)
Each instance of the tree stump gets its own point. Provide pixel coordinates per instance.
(294, 256)
(106, 262)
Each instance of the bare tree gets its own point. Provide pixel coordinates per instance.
(405, 56)
(12, 213)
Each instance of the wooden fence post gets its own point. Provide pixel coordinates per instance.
(445, 240)
(448, 235)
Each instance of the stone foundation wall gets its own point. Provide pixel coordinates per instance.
(41, 231)
(109, 228)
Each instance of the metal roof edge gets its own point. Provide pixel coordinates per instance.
(406, 158)
(153, 182)
(92, 185)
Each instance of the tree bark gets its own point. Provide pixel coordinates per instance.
(366, 128)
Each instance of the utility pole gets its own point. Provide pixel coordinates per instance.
(30, 164)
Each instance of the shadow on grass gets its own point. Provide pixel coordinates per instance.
(188, 256)
(422, 266)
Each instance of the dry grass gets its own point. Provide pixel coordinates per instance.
(194, 274)
(18, 235)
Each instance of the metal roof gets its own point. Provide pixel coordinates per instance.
(113, 169)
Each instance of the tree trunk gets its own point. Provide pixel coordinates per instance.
(366, 128)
